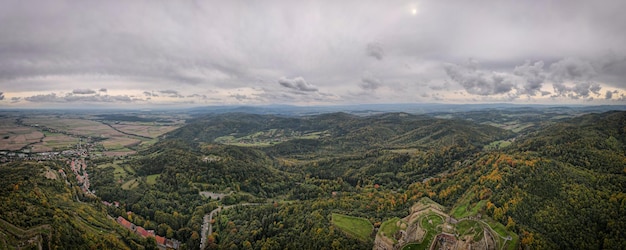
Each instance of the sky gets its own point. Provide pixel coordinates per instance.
(200, 53)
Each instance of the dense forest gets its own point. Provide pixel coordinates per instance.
(556, 183)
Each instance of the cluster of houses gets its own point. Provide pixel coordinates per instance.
(27, 155)
(162, 242)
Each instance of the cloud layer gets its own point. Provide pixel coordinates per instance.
(221, 52)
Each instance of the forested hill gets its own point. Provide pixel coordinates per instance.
(391, 130)
(560, 184)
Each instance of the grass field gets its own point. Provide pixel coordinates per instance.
(359, 228)
(503, 233)
(390, 227)
(119, 172)
(151, 179)
(131, 184)
(430, 223)
(470, 227)
(465, 209)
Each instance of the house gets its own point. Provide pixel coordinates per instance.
(160, 240)
(142, 232)
(125, 223)
(172, 243)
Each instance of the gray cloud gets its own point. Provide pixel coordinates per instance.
(479, 82)
(83, 91)
(572, 69)
(579, 90)
(581, 73)
(53, 98)
(608, 95)
(103, 90)
(297, 83)
(375, 50)
(146, 93)
(239, 97)
(15, 99)
(170, 93)
(369, 82)
(1, 96)
(54, 46)
(534, 77)
(204, 97)
(444, 86)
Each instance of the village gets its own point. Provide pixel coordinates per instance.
(78, 165)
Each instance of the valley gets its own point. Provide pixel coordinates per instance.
(490, 179)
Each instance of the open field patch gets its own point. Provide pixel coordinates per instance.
(15, 137)
(390, 227)
(143, 129)
(269, 137)
(359, 228)
(470, 227)
(151, 179)
(120, 142)
(54, 142)
(465, 209)
(131, 184)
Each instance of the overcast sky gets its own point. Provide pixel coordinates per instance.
(195, 53)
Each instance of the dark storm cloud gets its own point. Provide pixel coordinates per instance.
(83, 91)
(375, 50)
(479, 82)
(297, 83)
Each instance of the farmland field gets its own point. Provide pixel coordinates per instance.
(147, 130)
(15, 137)
(54, 142)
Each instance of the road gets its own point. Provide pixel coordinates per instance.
(207, 227)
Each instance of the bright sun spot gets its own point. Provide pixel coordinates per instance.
(414, 11)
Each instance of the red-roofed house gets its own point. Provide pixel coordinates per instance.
(141, 231)
(160, 240)
(125, 223)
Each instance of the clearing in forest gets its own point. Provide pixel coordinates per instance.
(359, 228)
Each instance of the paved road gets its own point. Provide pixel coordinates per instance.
(207, 227)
